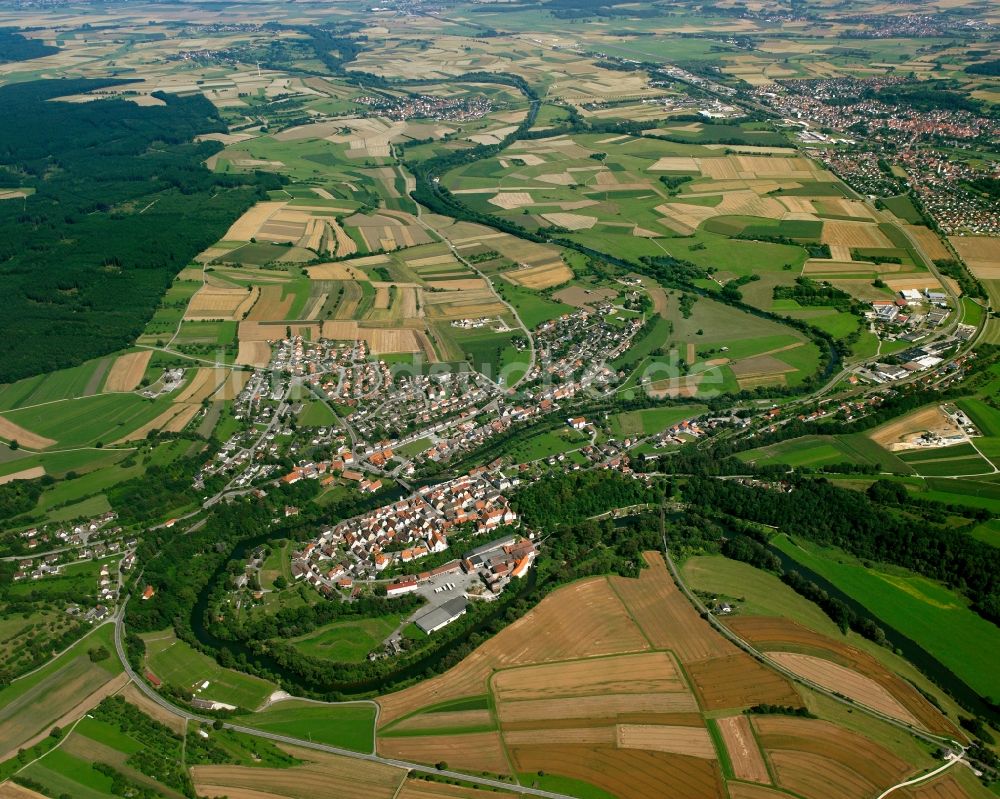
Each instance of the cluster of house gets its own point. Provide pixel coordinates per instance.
(426, 402)
(897, 133)
(363, 547)
(99, 527)
(425, 106)
(577, 346)
(235, 456)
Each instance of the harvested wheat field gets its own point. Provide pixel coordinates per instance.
(853, 234)
(254, 353)
(172, 420)
(928, 241)
(899, 433)
(648, 672)
(382, 340)
(274, 331)
(477, 751)
(25, 474)
(205, 383)
(571, 221)
(610, 707)
(127, 371)
(462, 284)
(541, 277)
(14, 432)
(845, 681)
(232, 386)
(579, 620)
(667, 619)
(339, 331)
(981, 254)
(271, 305)
(625, 773)
(675, 163)
(744, 753)
(211, 302)
(247, 226)
(322, 776)
(741, 790)
(603, 736)
(737, 680)
(236, 793)
(820, 760)
(11, 790)
(772, 633)
(336, 272)
(690, 741)
(511, 199)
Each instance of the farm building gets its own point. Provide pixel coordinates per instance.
(442, 615)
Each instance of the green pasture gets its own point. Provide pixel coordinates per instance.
(937, 618)
(348, 726)
(175, 662)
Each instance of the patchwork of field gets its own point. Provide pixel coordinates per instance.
(862, 677)
(59, 692)
(319, 776)
(212, 302)
(818, 760)
(614, 713)
(583, 619)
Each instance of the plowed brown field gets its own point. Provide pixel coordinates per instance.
(478, 751)
(650, 672)
(737, 680)
(625, 773)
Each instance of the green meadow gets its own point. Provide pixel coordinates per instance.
(938, 619)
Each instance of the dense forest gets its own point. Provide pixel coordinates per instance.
(121, 203)
(15, 47)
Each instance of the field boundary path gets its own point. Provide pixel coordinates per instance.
(952, 760)
(119, 621)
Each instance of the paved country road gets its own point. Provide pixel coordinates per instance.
(287, 739)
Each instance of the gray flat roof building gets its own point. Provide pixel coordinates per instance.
(443, 615)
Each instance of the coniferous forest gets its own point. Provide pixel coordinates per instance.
(119, 202)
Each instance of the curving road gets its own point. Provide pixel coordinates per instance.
(287, 739)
